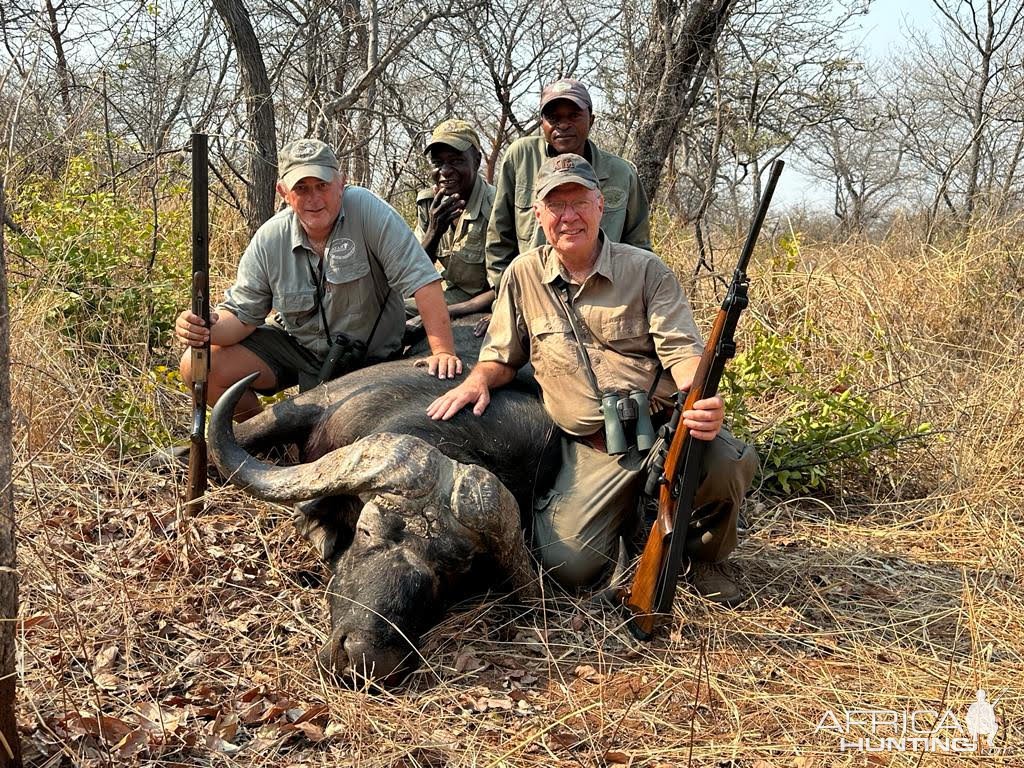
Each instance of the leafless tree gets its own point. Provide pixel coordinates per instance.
(675, 59)
(960, 108)
(260, 109)
(10, 750)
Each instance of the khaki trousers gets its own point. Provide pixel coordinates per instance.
(577, 524)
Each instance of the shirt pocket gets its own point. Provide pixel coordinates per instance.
(346, 266)
(526, 221)
(629, 335)
(613, 220)
(554, 351)
(295, 309)
(465, 269)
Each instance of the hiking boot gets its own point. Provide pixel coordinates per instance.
(711, 582)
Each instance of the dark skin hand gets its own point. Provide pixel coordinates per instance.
(444, 210)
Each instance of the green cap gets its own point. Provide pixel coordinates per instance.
(563, 169)
(306, 157)
(457, 134)
(566, 88)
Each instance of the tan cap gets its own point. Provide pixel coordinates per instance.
(457, 134)
(566, 88)
(563, 169)
(306, 157)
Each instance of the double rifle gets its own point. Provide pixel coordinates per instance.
(201, 307)
(676, 468)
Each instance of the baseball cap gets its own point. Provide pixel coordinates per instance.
(566, 88)
(563, 169)
(457, 134)
(306, 157)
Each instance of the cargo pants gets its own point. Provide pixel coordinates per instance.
(577, 524)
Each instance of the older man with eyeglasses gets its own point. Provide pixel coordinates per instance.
(596, 318)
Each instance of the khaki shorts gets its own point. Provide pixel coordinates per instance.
(290, 362)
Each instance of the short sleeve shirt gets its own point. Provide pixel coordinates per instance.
(370, 248)
(634, 315)
(461, 250)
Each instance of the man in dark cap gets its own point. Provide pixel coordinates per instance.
(334, 266)
(567, 114)
(452, 217)
(595, 316)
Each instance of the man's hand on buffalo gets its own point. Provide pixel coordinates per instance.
(444, 365)
(475, 389)
(481, 325)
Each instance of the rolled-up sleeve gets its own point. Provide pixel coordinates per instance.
(637, 228)
(249, 298)
(675, 334)
(507, 338)
(502, 243)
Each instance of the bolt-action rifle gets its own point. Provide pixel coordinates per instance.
(675, 470)
(201, 307)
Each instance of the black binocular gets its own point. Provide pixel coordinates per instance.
(345, 355)
(627, 421)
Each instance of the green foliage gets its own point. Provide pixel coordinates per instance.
(130, 419)
(108, 279)
(813, 434)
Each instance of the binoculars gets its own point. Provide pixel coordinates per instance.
(627, 421)
(346, 354)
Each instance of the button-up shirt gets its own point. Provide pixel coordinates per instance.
(513, 228)
(370, 248)
(461, 250)
(634, 314)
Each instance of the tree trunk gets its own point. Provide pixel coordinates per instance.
(679, 51)
(260, 107)
(63, 78)
(10, 751)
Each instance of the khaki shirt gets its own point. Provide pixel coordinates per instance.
(370, 248)
(513, 228)
(634, 312)
(461, 250)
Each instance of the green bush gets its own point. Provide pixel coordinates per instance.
(808, 435)
(109, 279)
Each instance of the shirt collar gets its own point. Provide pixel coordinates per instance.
(552, 268)
(298, 236)
(591, 154)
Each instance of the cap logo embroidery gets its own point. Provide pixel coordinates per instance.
(563, 164)
(561, 86)
(305, 149)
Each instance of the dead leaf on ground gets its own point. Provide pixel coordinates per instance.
(588, 673)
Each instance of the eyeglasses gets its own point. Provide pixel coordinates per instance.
(558, 207)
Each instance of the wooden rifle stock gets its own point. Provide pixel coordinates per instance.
(197, 460)
(652, 591)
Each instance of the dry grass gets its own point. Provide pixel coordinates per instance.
(195, 641)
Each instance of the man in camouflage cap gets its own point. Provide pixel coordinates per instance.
(634, 323)
(334, 267)
(566, 117)
(452, 216)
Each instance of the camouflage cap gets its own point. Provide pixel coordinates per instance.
(306, 157)
(457, 134)
(563, 169)
(566, 88)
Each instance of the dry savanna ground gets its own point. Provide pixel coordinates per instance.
(149, 639)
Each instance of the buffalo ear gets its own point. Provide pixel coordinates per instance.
(328, 523)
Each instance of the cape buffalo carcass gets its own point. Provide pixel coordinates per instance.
(410, 513)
